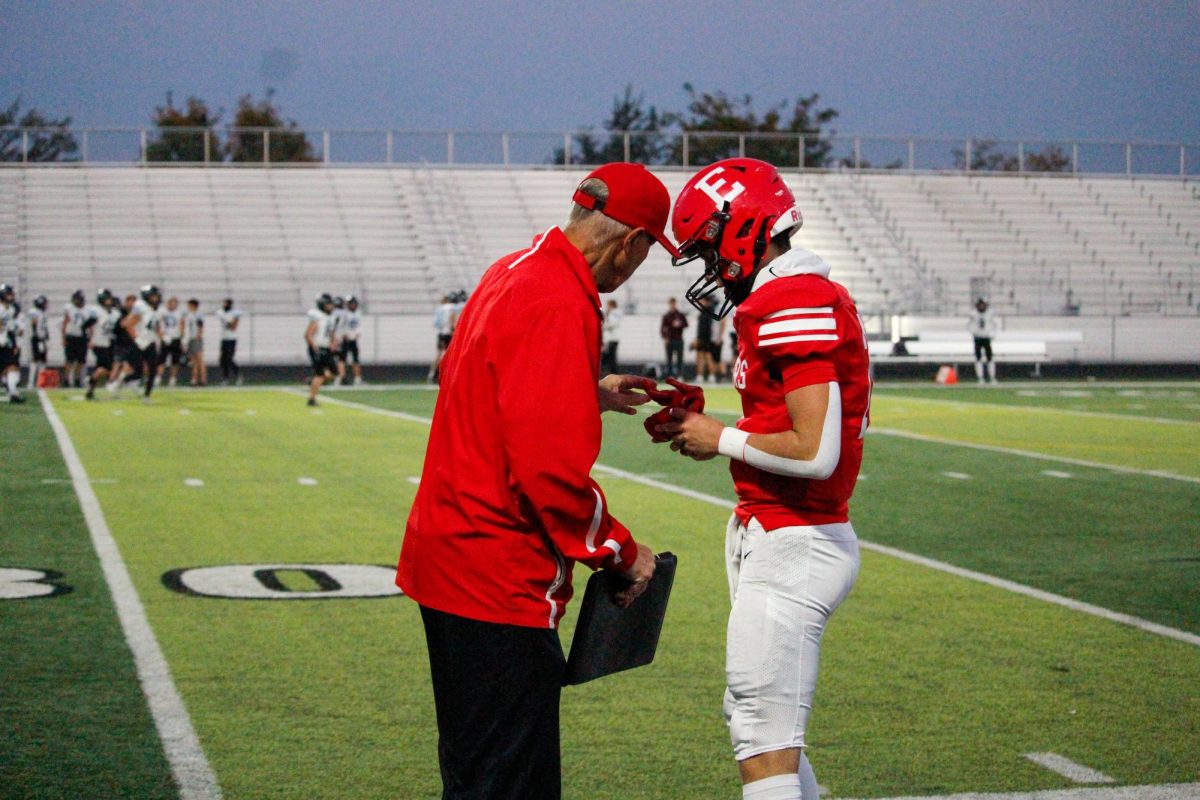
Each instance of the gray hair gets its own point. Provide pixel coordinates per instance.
(601, 228)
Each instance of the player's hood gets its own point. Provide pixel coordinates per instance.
(796, 261)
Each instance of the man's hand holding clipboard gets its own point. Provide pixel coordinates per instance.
(619, 622)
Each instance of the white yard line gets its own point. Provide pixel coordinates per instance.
(387, 412)
(1000, 583)
(1012, 451)
(1068, 768)
(968, 404)
(189, 765)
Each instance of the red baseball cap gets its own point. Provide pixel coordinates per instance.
(635, 197)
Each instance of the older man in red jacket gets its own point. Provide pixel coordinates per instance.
(506, 505)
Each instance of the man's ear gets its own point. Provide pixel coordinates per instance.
(632, 236)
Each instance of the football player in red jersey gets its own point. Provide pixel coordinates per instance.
(802, 373)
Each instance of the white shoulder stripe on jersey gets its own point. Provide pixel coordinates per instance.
(792, 312)
(800, 324)
(809, 337)
(532, 250)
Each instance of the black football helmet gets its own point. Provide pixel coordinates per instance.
(325, 302)
(339, 302)
(351, 302)
(151, 291)
(105, 298)
(7, 293)
(77, 298)
(40, 302)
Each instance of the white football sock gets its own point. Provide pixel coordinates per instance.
(808, 780)
(777, 787)
(979, 371)
(12, 379)
(992, 370)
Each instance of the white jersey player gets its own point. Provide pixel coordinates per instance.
(39, 338)
(229, 318)
(982, 325)
(348, 333)
(171, 328)
(321, 337)
(108, 318)
(10, 370)
(76, 323)
(143, 324)
(193, 337)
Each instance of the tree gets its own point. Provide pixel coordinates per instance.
(43, 140)
(186, 145)
(986, 158)
(245, 143)
(719, 119)
(1051, 159)
(646, 142)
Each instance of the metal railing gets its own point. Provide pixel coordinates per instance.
(348, 147)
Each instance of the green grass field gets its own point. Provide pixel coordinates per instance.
(932, 683)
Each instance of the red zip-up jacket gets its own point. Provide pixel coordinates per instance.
(506, 505)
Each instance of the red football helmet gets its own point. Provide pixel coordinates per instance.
(726, 215)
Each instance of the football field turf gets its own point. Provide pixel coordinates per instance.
(1030, 584)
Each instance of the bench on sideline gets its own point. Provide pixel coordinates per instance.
(951, 347)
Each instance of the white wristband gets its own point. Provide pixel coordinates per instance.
(733, 443)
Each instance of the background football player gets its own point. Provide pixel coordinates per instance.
(321, 337)
(171, 326)
(982, 325)
(39, 338)
(802, 373)
(142, 323)
(108, 318)
(348, 334)
(10, 369)
(229, 319)
(76, 326)
(193, 328)
(126, 360)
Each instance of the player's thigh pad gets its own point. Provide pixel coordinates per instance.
(787, 584)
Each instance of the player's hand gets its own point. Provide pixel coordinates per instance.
(693, 435)
(617, 393)
(638, 575)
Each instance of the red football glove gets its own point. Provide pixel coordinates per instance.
(684, 395)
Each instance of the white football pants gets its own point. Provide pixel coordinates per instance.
(784, 585)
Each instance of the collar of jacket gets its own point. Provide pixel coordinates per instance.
(555, 239)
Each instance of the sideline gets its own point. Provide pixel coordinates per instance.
(189, 766)
(980, 577)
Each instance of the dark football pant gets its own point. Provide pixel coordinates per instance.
(149, 359)
(983, 347)
(496, 689)
(229, 367)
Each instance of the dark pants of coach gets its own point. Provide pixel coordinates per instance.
(496, 688)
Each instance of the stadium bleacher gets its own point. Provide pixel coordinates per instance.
(400, 237)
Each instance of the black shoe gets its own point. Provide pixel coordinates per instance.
(16, 398)
(312, 401)
(91, 393)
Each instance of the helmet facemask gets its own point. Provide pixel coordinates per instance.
(719, 272)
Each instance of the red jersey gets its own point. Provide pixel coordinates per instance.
(797, 328)
(506, 505)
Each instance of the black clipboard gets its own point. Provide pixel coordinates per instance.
(611, 639)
